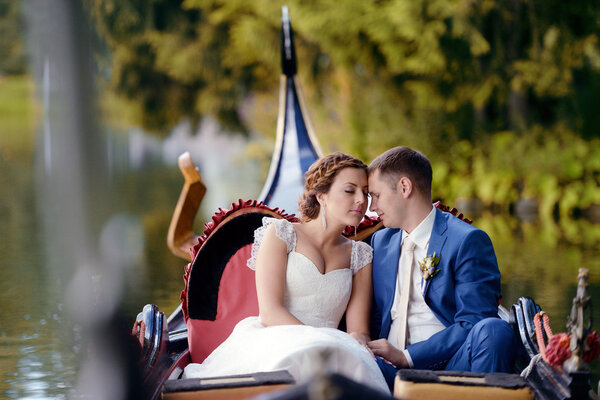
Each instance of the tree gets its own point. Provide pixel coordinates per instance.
(422, 72)
(12, 59)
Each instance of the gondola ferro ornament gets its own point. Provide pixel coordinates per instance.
(584, 344)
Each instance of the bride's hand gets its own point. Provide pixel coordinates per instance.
(362, 339)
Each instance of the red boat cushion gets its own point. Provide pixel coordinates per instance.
(237, 300)
(220, 289)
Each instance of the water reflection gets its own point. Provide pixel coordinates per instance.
(35, 364)
(40, 349)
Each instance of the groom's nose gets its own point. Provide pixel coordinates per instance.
(373, 206)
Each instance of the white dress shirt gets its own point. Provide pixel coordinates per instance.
(421, 322)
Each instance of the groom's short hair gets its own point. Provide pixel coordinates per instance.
(403, 161)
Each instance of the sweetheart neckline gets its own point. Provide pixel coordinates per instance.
(315, 265)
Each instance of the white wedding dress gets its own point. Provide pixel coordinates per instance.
(319, 301)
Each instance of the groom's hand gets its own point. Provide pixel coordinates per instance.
(391, 354)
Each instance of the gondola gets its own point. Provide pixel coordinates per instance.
(219, 291)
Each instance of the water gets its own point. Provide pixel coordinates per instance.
(41, 349)
(36, 354)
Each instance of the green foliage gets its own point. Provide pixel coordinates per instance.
(501, 95)
(12, 55)
(552, 166)
(441, 71)
(175, 60)
(17, 117)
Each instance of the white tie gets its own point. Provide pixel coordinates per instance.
(406, 261)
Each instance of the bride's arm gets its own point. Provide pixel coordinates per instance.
(271, 265)
(359, 306)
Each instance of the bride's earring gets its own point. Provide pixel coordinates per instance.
(323, 218)
(355, 231)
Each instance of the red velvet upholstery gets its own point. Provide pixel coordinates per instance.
(237, 300)
(220, 289)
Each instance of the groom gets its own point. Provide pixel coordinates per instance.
(435, 278)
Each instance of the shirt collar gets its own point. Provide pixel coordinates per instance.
(422, 233)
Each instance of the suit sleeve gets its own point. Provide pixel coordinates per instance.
(474, 288)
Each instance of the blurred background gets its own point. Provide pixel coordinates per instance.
(98, 99)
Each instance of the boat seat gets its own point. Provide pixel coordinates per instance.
(227, 387)
(219, 288)
(459, 385)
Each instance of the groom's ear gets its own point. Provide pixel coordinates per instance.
(404, 186)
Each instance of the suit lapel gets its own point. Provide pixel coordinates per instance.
(436, 242)
(390, 266)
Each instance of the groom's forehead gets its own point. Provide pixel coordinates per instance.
(376, 186)
(372, 183)
(376, 180)
(374, 175)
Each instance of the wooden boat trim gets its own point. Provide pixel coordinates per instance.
(181, 237)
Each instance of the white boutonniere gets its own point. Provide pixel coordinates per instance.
(428, 265)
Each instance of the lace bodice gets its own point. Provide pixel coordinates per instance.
(314, 298)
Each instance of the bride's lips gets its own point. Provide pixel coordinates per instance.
(356, 211)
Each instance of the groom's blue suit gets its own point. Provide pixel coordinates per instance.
(464, 292)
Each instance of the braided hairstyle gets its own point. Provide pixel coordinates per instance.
(319, 178)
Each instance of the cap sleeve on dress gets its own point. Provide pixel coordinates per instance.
(284, 230)
(362, 254)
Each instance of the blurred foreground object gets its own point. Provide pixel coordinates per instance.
(78, 234)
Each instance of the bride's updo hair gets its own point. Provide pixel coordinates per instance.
(319, 178)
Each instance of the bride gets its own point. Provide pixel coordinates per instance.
(307, 276)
